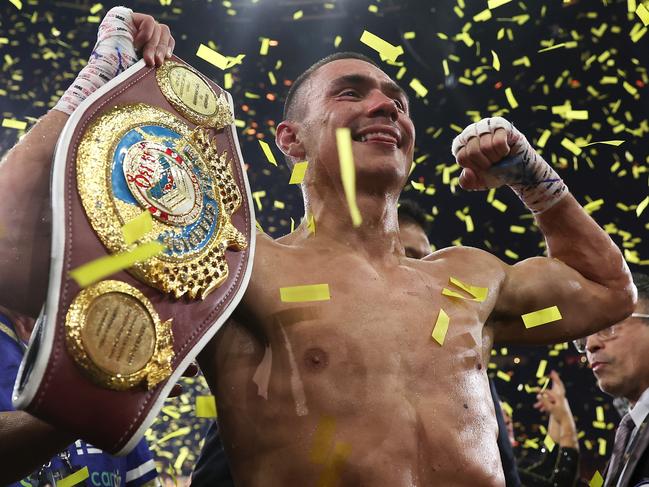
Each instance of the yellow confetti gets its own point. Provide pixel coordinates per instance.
(643, 13)
(543, 138)
(323, 440)
(298, 15)
(310, 224)
(597, 480)
(301, 294)
(348, 172)
(420, 89)
(599, 413)
(337, 41)
(174, 434)
(298, 172)
(330, 475)
(205, 407)
(227, 81)
(479, 293)
(17, 3)
(556, 46)
(548, 442)
(265, 44)
(212, 57)
(11, 123)
(441, 327)
(602, 447)
(93, 271)
(641, 207)
(96, 8)
(516, 229)
(571, 146)
(541, 317)
(510, 98)
(482, 16)
(138, 227)
(615, 143)
(503, 376)
(540, 371)
(497, 3)
(386, 51)
(268, 153)
(75, 478)
(496, 61)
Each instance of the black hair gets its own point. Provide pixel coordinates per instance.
(641, 282)
(410, 211)
(291, 97)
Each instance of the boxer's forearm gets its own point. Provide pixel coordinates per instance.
(24, 216)
(575, 239)
(26, 443)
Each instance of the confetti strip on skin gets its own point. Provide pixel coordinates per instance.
(386, 51)
(548, 442)
(479, 293)
(597, 480)
(93, 271)
(74, 479)
(211, 56)
(301, 294)
(441, 327)
(268, 153)
(541, 317)
(205, 407)
(348, 172)
(330, 476)
(138, 227)
(323, 440)
(298, 172)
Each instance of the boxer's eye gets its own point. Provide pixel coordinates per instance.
(352, 93)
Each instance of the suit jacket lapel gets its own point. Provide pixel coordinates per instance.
(640, 444)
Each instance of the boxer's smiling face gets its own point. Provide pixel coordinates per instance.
(357, 95)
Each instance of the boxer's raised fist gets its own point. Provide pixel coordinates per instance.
(154, 39)
(479, 147)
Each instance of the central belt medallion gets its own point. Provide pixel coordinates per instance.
(139, 157)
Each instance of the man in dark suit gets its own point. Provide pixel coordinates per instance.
(619, 358)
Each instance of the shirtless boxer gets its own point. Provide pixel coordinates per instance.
(404, 410)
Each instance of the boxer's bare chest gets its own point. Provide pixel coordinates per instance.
(362, 360)
(375, 328)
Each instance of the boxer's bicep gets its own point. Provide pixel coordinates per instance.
(544, 288)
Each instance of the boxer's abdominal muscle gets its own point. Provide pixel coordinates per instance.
(354, 387)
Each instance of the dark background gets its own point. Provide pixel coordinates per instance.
(43, 45)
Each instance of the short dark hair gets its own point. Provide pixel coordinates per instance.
(292, 95)
(410, 211)
(641, 282)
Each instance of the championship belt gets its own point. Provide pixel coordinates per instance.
(103, 357)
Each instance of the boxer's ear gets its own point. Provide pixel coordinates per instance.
(288, 140)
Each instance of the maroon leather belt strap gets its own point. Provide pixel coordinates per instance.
(148, 168)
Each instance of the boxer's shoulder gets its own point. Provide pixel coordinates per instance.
(468, 261)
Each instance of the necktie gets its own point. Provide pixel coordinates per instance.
(622, 435)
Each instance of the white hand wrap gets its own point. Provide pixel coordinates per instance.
(534, 181)
(112, 54)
